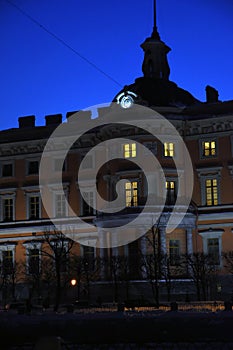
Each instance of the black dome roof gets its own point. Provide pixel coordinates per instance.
(160, 92)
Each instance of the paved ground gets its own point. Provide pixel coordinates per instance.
(120, 330)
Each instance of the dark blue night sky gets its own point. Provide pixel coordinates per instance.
(41, 76)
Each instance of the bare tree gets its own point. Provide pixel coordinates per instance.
(57, 249)
(203, 272)
(151, 263)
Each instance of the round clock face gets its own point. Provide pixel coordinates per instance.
(126, 99)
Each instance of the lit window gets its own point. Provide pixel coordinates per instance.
(169, 149)
(7, 262)
(213, 250)
(88, 197)
(211, 192)
(131, 194)
(60, 205)
(33, 261)
(209, 148)
(174, 251)
(34, 207)
(33, 167)
(171, 192)
(130, 150)
(7, 170)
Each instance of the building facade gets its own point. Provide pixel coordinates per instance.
(206, 129)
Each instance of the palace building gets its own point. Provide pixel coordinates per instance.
(206, 128)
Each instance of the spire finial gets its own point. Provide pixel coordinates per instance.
(155, 17)
(155, 33)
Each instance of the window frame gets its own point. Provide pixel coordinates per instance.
(174, 258)
(129, 187)
(33, 160)
(168, 150)
(4, 163)
(4, 248)
(30, 195)
(132, 150)
(209, 140)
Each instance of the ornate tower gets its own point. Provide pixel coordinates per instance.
(155, 64)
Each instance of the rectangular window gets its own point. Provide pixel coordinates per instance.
(60, 205)
(129, 150)
(209, 148)
(7, 209)
(33, 167)
(131, 194)
(213, 250)
(34, 207)
(169, 149)
(171, 192)
(174, 251)
(7, 170)
(88, 210)
(7, 262)
(211, 191)
(89, 257)
(62, 258)
(33, 261)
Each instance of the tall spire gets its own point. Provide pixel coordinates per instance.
(155, 64)
(155, 34)
(155, 17)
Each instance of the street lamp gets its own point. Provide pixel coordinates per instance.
(73, 282)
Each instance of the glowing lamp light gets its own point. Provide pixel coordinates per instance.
(73, 282)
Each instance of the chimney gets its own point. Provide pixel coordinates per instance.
(211, 94)
(53, 119)
(27, 122)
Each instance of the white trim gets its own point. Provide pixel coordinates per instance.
(65, 195)
(209, 173)
(208, 234)
(29, 246)
(28, 196)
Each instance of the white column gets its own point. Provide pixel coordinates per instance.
(143, 251)
(189, 240)
(162, 233)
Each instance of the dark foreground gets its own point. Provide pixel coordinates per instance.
(119, 330)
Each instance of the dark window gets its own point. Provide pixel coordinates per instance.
(33, 167)
(7, 170)
(174, 251)
(34, 207)
(7, 209)
(33, 261)
(88, 209)
(89, 257)
(213, 250)
(62, 257)
(7, 262)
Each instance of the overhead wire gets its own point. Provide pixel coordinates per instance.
(63, 42)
